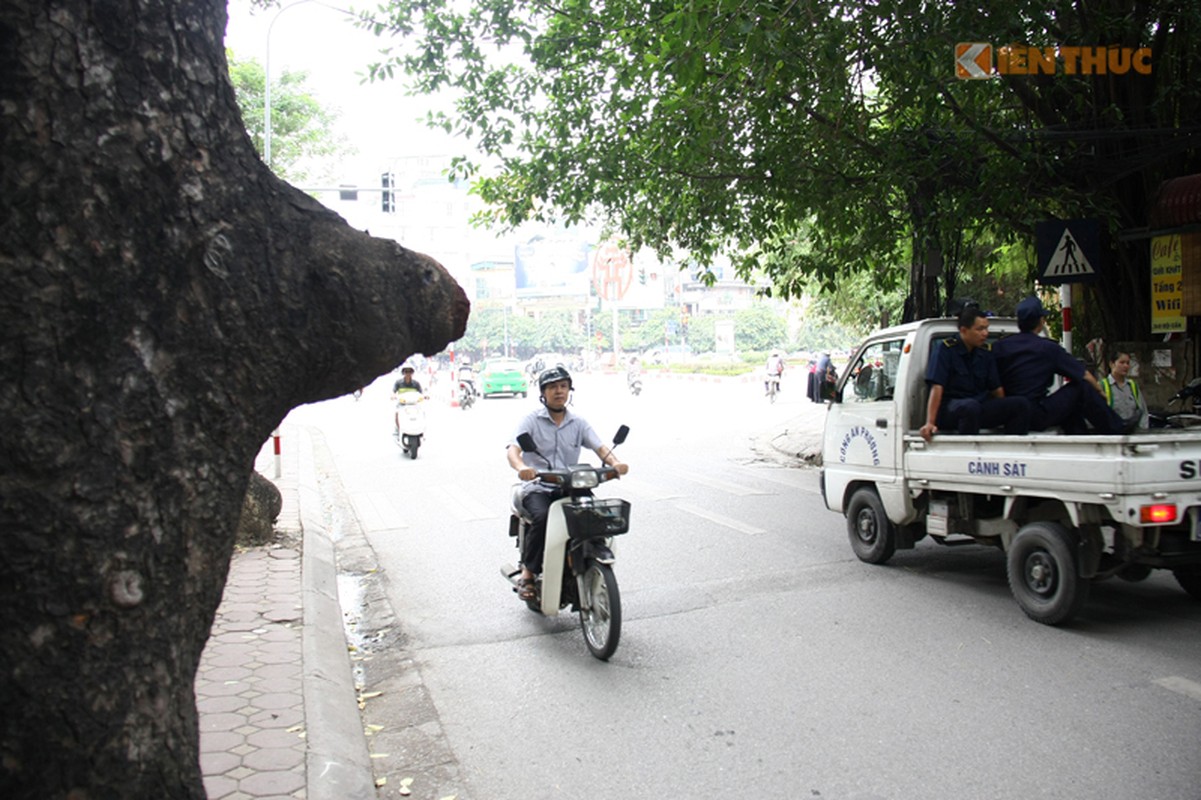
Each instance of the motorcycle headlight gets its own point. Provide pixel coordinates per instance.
(584, 479)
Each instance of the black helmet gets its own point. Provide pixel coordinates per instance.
(553, 375)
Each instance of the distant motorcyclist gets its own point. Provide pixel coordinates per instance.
(465, 375)
(775, 369)
(634, 375)
(633, 368)
(405, 383)
(558, 434)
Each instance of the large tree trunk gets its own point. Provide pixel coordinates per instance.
(164, 301)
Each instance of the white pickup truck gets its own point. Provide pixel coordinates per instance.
(1067, 510)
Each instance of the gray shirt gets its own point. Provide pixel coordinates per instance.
(559, 444)
(1124, 403)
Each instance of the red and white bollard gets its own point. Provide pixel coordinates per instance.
(275, 440)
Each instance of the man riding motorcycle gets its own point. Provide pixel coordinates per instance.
(558, 434)
(405, 383)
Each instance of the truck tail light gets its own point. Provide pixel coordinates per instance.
(1158, 514)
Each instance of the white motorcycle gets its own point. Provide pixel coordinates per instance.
(468, 394)
(577, 567)
(634, 381)
(410, 421)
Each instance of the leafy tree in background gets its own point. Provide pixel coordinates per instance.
(653, 330)
(485, 334)
(759, 328)
(820, 333)
(702, 335)
(556, 332)
(754, 126)
(304, 146)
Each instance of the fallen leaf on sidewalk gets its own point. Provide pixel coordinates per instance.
(380, 755)
(380, 781)
(404, 790)
(372, 729)
(369, 695)
(295, 728)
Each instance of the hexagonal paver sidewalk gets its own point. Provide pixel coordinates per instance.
(248, 688)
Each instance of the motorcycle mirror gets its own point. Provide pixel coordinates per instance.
(622, 433)
(526, 442)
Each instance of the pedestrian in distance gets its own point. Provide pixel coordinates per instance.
(1122, 393)
(1029, 362)
(965, 387)
(822, 379)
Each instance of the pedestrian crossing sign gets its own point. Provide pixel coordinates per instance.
(1069, 251)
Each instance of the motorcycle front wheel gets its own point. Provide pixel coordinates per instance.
(600, 611)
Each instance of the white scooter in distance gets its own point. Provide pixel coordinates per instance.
(577, 564)
(410, 421)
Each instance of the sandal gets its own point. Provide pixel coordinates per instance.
(527, 588)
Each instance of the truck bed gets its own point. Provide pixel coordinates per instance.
(1087, 469)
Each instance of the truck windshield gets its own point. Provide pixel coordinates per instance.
(873, 375)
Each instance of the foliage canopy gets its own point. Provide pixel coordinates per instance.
(303, 142)
(818, 138)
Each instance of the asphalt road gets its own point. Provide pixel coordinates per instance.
(759, 658)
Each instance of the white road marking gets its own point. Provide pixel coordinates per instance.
(715, 482)
(765, 474)
(639, 489)
(1181, 685)
(720, 519)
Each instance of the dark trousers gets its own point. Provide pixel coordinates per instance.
(537, 504)
(1071, 406)
(969, 416)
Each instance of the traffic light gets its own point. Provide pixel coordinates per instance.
(388, 195)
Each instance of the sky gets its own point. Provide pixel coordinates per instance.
(378, 119)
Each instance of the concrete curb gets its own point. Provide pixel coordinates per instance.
(338, 763)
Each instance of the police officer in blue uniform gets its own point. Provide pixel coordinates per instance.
(1029, 362)
(965, 386)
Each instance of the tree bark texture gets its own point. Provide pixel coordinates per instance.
(164, 302)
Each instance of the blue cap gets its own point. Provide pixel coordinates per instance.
(1030, 311)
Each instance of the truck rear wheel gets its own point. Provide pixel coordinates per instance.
(872, 535)
(1189, 579)
(1043, 574)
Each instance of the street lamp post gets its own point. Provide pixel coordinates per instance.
(275, 435)
(267, 84)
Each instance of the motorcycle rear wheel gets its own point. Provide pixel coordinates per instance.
(600, 611)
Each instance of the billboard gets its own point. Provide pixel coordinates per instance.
(552, 267)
